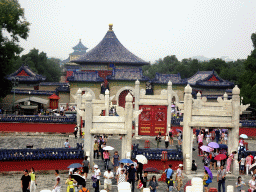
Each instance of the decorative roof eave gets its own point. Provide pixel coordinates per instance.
(169, 77)
(131, 71)
(32, 92)
(216, 96)
(214, 85)
(28, 77)
(94, 74)
(53, 84)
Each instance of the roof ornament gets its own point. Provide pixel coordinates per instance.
(110, 27)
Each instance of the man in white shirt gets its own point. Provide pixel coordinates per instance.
(108, 175)
(118, 172)
(97, 174)
(66, 144)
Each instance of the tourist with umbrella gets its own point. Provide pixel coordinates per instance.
(106, 159)
(205, 178)
(219, 158)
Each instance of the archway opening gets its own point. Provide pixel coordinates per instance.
(121, 99)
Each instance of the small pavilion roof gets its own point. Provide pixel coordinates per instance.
(110, 50)
(80, 46)
(165, 78)
(54, 96)
(208, 79)
(127, 74)
(25, 74)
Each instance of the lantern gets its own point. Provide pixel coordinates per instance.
(164, 156)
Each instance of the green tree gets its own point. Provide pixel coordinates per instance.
(248, 79)
(13, 26)
(40, 64)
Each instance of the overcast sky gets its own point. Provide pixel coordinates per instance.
(149, 29)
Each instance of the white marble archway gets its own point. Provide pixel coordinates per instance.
(85, 89)
(131, 89)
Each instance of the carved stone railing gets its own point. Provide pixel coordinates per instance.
(38, 119)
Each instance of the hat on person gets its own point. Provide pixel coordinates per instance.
(180, 165)
(96, 166)
(25, 170)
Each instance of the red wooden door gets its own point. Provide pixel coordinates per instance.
(152, 120)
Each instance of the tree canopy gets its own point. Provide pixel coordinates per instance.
(187, 67)
(13, 26)
(248, 78)
(40, 64)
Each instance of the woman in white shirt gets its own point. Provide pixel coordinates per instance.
(252, 183)
(166, 140)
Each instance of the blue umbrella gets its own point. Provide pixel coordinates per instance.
(178, 130)
(223, 146)
(126, 161)
(75, 165)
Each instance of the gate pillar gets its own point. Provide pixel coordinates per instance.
(234, 132)
(187, 136)
(88, 113)
(137, 98)
(127, 140)
(169, 107)
(78, 106)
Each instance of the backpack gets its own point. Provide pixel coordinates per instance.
(209, 180)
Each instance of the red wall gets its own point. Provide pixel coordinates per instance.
(38, 165)
(37, 127)
(160, 165)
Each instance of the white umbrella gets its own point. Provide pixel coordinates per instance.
(108, 148)
(244, 136)
(142, 159)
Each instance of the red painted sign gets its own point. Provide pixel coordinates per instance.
(152, 120)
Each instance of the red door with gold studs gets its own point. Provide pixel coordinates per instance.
(152, 120)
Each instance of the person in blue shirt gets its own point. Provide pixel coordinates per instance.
(169, 173)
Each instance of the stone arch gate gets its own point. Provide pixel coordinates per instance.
(200, 113)
(89, 109)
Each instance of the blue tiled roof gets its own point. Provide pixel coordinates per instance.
(165, 78)
(85, 76)
(32, 77)
(201, 79)
(32, 92)
(53, 84)
(110, 50)
(80, 46)
(127, 74)
(78, 53)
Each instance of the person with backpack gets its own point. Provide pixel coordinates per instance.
(206, 180)
(169, 173)
(84, 188)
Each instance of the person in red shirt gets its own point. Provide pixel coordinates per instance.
(241, 142)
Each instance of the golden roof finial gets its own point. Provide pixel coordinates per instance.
(110, 27)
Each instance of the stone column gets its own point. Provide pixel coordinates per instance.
(234, 132)
(137, 100)
(107, 102)
(187, 137)
(88, 117)
(169, 107)
(128, 125)
(78, 106)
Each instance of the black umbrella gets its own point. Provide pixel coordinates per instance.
(151, 169)
(79, 179)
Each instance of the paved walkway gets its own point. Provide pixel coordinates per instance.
(11, 181)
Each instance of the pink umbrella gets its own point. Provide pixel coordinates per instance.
(206, 148)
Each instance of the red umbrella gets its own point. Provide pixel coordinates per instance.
(220, 157)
